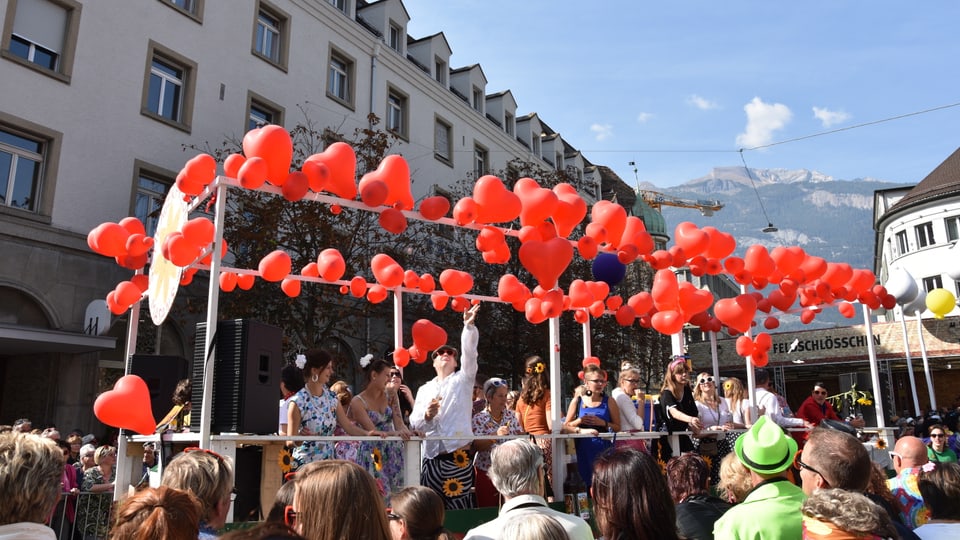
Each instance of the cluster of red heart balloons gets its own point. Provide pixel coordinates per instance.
(126, 241)
(757, 348)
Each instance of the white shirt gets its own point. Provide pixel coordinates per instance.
(284, 406)
(710, 417)
(577, 528)
(26, 531)
(630, 420)
(739, 415)
(768, 401)
(454, 419)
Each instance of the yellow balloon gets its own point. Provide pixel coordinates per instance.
(940, 302)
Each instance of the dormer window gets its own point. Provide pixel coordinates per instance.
(478, 99)
(396, 38)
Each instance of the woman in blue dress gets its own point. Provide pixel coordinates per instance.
(591, 412)
(315, 410)
(379, 413)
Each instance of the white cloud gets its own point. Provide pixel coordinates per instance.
(702, 103)
(602, 132)
(830, 118)
(644, 117)
(763, 119)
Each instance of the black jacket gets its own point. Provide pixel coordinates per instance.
(696, 515)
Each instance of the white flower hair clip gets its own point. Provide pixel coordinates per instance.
(365, 360)
(929, 466)
(300, 361)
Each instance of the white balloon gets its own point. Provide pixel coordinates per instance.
(919, 304)
(901, 285)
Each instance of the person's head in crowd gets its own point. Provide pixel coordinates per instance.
(183, 393)
(322, 511)
(940, 489)
(687, 475)
(676, 377)
(594, 379)
(512, 397)
(30, 471)
(161, 513)
(149, 454)
(50, 433)
(733, 389)
(377, 367)
(535, 380)
(291, 379)
(705, 387)
(909, 452)
(209, 476)
(87, 452)
(268, 530)
(533, 527)
(766, 450)
(819, 392)
(762, 378)
(478, 386)
(832, 458)
(64, 446)
(23, 425)
(631, 497)
(417, 514)
(89, 438)
(318, 366)
(76, 442)
(281, 500)
(105, 457)
(495, 392)
(516, 468)
(629, 379)
(343, 392)
(735, 480)
(840, 513)
(445, 361)
(938, 437)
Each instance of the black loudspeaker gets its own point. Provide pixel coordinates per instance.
(247, 360)
(247, 484)
(161, 373)
(862, 380)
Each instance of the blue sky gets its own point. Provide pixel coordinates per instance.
(679, 87)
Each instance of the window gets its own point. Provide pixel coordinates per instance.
(190, 8)
(270, 38)
(478, 99)
(902, 246)
(442, 141)
(480, 164)
(168, 90)
(931, 283)
(396, 112)
(536, 145)
(440, 71)
(261, 112)
(339, 4)
(396, 38)
(953, 228)
(559, 162)
(924, 235)
(508, 123)
(42, 34)
(21, 158)
(151, 193)
(340, 77)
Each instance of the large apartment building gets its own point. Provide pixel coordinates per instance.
(99, 99)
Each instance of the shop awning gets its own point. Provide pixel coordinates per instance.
(21, 340)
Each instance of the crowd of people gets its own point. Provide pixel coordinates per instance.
(810, 474)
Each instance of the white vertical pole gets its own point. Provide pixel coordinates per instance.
(714, 357)
(906, 350)
(398, 322)
(587, 341)
(874, 374)
(559, 471)
(213, 306)
(926, 362)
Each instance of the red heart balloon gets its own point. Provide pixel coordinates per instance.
(395, 175)
(427, 336)
(538, 203)
(127, 406)
(570, 210)
(331, 265)
(455, 282)
(495, 203)
(546, 260)
(341, 164)
(386, 270)
(273, 144)
(612, 217)
(434, 208)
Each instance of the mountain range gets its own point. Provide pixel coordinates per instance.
(825, 216)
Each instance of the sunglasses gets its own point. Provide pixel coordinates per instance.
(441, 352)
(597, 381)
(937, 435)
(395, 374)
(391, 516)
(819, 392)
(705, 380)
(290, 516)
(634, 381)
(801, 465)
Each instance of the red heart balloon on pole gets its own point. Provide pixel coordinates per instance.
(546, 260)
(127, 406)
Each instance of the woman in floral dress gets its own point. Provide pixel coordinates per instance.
(379, 414)
(315, 410)
(494, 419)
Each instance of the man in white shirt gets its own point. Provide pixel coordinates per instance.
(516, 470)
(768, 403)
(443, 411)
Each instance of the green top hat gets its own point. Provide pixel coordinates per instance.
(765, 448)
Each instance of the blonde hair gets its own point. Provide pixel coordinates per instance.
(30, 470)
(206, 474)
(850, 511)
(734, 391)
(161, 513)
(101, 451)
(735, 480)
(320, 488)
(342, 390)
(698, 394)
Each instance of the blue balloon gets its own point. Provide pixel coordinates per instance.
(608, 268)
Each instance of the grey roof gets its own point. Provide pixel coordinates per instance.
(943, 181)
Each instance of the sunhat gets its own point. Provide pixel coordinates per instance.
(765, 448)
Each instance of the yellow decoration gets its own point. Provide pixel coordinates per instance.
(461, 458)
(377, 459)
(452, 487)
(285, 460)
(940, 302)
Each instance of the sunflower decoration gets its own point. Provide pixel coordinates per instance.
(663, 465)
(706, 459)
(461, 458)
(881, 443)
(539, 367)
(853, 398)
(377, 459)
(452, 487)
(285, 460)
